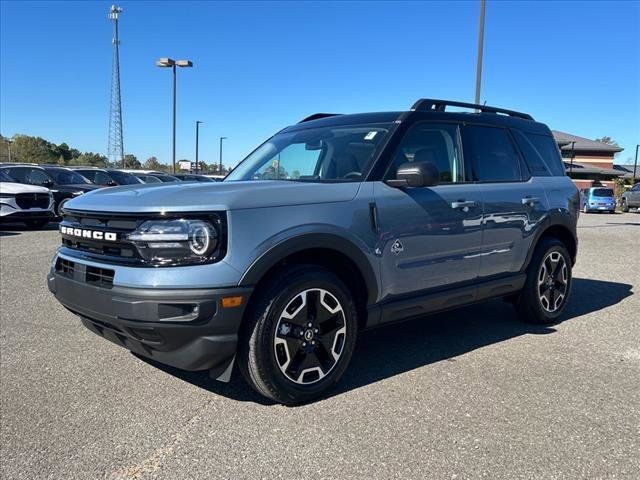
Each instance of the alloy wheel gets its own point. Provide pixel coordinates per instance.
(553, 281)
(310, 336)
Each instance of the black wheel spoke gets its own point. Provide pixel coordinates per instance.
(324, 355)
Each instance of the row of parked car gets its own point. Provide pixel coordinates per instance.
(35, 194)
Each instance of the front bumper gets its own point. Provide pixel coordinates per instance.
(185, 328)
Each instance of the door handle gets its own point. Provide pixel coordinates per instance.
(530, 201)
(463, 204)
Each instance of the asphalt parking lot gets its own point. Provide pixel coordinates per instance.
(466, 394)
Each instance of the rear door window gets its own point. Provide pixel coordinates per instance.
(490, 154)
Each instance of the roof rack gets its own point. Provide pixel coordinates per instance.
(316, 116)
(426, 104)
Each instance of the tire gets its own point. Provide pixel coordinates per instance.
(535, 307)
(265, 358)
(585, 209)
(625, 206)
(37, 223)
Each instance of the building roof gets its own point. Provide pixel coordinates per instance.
(626, 171)
(585, 168)
(565, 141)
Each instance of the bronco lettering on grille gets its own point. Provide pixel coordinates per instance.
(90, 234)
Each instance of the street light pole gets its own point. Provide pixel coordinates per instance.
(635, 164)
(198, 122)
(480, 50)
(166, 62)
(221, 138)
(573, 155)
(173, 122)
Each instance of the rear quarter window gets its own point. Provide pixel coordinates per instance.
(532, 157)
(547, 149)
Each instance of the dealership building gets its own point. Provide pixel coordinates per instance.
(588, 162)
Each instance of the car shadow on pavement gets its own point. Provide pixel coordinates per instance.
(394, 349)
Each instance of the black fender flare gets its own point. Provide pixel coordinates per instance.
(555, 218)
(299, 243)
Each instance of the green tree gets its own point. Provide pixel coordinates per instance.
(131, 161)
(607, 140)
(25, 148)
(152, 163)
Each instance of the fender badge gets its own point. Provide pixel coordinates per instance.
(397, 247)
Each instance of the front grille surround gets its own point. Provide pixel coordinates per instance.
(122, 251)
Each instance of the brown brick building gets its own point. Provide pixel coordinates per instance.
(587, 162)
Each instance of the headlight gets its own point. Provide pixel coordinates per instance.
(75, 194)
(175, 241)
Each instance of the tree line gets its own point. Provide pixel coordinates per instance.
(28, 149)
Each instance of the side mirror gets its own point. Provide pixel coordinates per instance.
(111, 183)
(415, 174)
(47, 184)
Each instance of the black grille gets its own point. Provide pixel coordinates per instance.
(65, 267)
(96, 276)
(119, 251)
(32, 200)
(100, 277)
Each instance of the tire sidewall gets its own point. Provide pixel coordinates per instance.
(264, 350)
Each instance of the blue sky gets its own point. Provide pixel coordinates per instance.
(262, 66)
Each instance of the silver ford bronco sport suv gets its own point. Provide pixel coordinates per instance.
(334, 225)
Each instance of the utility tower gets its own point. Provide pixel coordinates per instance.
(115, 148)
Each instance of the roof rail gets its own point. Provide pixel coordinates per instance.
(426, 104)
(316, 116)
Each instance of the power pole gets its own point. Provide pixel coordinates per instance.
(115, 148)
(480, 50)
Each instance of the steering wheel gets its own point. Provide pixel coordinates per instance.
(352, 175)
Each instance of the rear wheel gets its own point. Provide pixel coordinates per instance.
(548, 285)
(585, 209)
(299, 335)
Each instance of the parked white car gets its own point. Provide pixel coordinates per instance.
(29, 204)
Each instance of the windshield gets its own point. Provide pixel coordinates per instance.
(602, 192)
(5, 178)
(123, 178)
(67, 177)
(337, 153)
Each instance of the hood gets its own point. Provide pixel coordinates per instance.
(210, 196)
(10, 187)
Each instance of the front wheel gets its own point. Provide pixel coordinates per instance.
(548, 285)
(299, 335)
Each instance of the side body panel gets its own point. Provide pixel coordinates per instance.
(513, 213)
(425, 243)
